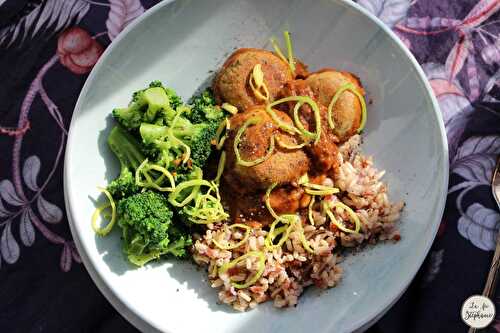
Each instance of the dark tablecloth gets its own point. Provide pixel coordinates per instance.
(47, 48)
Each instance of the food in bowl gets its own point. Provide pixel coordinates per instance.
(260, 178)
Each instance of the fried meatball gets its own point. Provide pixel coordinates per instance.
(231, 83)
(323, 153)
(347, 110)
(284, 166)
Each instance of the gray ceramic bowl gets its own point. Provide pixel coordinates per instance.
(180, 43)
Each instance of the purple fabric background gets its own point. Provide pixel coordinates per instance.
(47, 48)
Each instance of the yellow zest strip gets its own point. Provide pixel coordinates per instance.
(195, 183)
(237, 139)
(219, 142)
(299, 126)
(349, 87)
(105, 230)
(354, 218)
(229, 108)
(262, 260)
(220, 167)
(236, 245)
(310, 210)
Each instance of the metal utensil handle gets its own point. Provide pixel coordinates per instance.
(491, 282)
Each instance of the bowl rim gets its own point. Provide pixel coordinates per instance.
(128, 310)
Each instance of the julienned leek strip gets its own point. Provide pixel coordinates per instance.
(208, 208)
(291, 146)
(144, 169)
(219, 141)
(261, 265)
(354, 218)
(288, 42)
(299, 127)
(105, 230)
(289, 48)
(238, 244)
(291, 222)
(229, 108)
(237, 139)
(317, 189)
(281, 124)
(170, 134)
(268, 202)
(256, 82)
(195, 184)
(347, 87)
(310, 210)
(273, 232)
(299, 124)
(220, 166)
(302, 237)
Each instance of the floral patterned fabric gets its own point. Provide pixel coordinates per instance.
(47, 48)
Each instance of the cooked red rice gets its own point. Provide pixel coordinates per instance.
(289, 269)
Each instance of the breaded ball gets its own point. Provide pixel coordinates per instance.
(231, 83)
(323, 153)
(284, 166)
(347, 110)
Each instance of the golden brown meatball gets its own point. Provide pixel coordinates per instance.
(284, 166)
(323, 153)
(347, 110)
(231, 83)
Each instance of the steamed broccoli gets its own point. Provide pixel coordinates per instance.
(198, 137)
(204, 110)
(154, 105)
(148, 232)
(173, 98)
(128, 151)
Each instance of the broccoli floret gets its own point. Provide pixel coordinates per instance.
(174, 99)
(154, 105)
(180, 244)
(204, 110)
(128, 152)
(148, 233)
(197, 136)
(159, 145)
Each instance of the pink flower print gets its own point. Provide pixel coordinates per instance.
(78, 51)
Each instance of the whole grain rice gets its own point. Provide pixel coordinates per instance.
(291, 268)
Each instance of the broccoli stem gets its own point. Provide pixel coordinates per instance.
(126, 148)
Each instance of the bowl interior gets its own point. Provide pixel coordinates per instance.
(181, 43)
